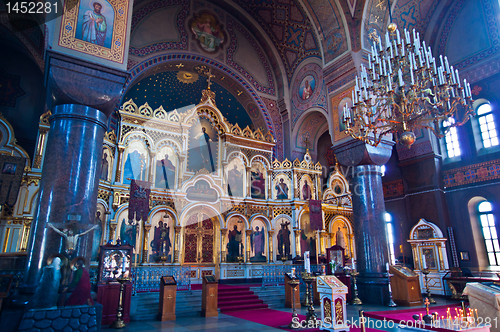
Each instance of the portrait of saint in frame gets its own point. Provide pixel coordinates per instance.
(306, 87)
(95, 22)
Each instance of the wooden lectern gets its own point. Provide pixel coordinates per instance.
(209, 297)
(289, 293)
(168, 291)
(405, 286)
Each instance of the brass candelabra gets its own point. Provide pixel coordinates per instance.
(311, 315)
(119, 323)
(355, 299)
(391, 301)
(293, 283)
(427, 290)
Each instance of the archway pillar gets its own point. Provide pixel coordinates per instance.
(365, 181)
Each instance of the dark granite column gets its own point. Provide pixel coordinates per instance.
(365, 182)
(81, 96)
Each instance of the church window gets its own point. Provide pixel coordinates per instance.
(489, 232)
(451, 139)
(487, 125)
(390, 236)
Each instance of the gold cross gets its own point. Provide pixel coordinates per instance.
(212, 295)
(239, 92)
(180, 65)
(381, 4)
(169, 297)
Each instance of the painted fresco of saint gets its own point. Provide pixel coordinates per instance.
(207, 32)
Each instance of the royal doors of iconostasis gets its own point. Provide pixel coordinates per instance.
(200, 229)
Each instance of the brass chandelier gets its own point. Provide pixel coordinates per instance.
(404, 89)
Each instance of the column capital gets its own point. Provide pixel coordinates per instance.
(354, 153)
(75, 81)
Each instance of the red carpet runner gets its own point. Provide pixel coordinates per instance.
(406, 316)
(238, 298)
(278, 319)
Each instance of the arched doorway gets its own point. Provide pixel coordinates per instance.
(199, 239)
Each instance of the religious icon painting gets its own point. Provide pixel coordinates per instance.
(235, 175)
(207, 31)
(282, 188)
(95, 22)
(98, 233)
(235, 237)
(306, 87)
(283, 239)
(106, 162)
(203, 147)
(136, 162)
(128, 231)
(307, 237)
(95, 27)
(165, 169)
(339, 229)
(9, 168)
(337, 103)
(201, 192)
(340, 111)
(258, 181)
(161, 235)
(306, 188)
(258, 241)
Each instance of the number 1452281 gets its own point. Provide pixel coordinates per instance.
(32, 7)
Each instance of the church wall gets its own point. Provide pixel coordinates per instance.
(459, 215)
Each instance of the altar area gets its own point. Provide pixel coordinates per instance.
(219, 202)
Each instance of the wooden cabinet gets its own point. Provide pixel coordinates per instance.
(405, 286)
(108, 295)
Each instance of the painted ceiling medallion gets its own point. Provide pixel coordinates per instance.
(187, 77)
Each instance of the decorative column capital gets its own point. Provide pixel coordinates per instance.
(67, 83)
(355, 153)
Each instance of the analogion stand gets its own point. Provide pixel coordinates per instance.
(289, 292)
(168, 292)
(333, 303)
(209, 297)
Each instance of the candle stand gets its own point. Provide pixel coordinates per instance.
(427, 290)
(118, 323)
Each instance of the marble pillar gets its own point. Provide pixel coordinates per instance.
(81, 96)
(365, 182)
(69, 184)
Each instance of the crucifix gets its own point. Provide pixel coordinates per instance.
(69, 231)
